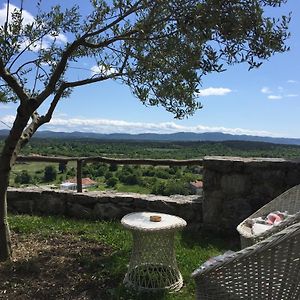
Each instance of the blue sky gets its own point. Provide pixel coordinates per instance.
(264, 101)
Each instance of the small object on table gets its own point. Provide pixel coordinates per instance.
(153, 263)
(155, 218)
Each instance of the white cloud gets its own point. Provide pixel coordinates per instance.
(274, 97)
(35, 47)
(266, 90)
(28, 18)
(6, 121)
(214, 92)
(292, 81)
(119, 126)
(102, 70)
(67, 124)
(280, 89)
(280, 94)
(5, 106)
(292, 95)
(60, 38)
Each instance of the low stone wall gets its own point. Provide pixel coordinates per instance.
(102, 205)
(233, 188)
(236, 187)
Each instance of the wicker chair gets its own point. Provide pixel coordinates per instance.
(288, 201)
(268, 270)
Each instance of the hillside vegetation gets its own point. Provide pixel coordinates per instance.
(160, 180)
(145, 149)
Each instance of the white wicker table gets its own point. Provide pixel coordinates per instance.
(153, 263)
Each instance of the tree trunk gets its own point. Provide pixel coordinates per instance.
(5, 241)
(7, 160)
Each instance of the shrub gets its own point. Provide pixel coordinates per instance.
(100, 170)
(130, 179)
(171, 187)
(112, 181)
(108, 175)
(162, 173)
(50, 173)
(23, 177)
(62, 167)
(113, 167)
(149, 172)
(158, 188)
(71, 172)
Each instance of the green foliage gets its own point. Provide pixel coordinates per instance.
(146, 179)
(62, 167)
(95, 170)
(171, 187)
(150, 171)
(160, 49)
(71, 172)
(130, 175)
(162, 173)
(23, 178)
(113, 167)
(130, 178)
(50, 173)
(156, 150)
(112, 181)
(108, 175)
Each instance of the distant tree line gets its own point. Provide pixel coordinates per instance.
(156, 150)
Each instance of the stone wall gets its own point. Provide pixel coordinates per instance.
(236, 187)
(102, 205)
(233, 188)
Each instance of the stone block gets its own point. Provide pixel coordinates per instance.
(21, 206)
(234, 212)
(107, 211)
(50, 205)
(79, 211)
(211, 180)
(212, 206)
(235, 184)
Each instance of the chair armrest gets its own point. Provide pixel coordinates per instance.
(276, 228)
(248, 252)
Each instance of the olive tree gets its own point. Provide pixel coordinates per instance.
(159, 48)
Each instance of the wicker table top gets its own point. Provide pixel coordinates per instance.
(141, 221)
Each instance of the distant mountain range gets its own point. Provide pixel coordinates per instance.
(179, 136)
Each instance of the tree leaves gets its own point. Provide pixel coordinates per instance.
(161, 49)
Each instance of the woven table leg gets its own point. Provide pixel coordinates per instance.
(153, 263)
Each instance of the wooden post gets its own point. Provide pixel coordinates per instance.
(79, 176)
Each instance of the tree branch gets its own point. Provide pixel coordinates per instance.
(93, 80)
(26, 48)
(115, 22)
(59, 70)
(110, 41)
(23, 65)
(47, 117)
(68, 52)
(28, 132)
(12, 82)
(38, 121)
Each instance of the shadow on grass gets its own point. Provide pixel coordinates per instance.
(61, 267)
(65, 267)
(204, 238)
(128, 294)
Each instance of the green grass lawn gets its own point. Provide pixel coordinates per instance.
(109, 268)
